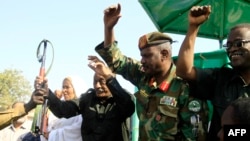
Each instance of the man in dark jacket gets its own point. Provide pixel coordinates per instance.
(220, 85)
(104, 109)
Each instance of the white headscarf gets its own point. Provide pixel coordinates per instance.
(78, 84)
(69, 129)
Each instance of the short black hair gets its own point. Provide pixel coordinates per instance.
(242, 25)
(241, 110)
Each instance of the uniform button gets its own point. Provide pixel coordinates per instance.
(149, 113)
(158, 117)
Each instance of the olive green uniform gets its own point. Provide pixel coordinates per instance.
(7, 116)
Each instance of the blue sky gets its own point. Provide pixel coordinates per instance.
(74, 28)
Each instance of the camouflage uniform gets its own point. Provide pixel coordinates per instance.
(162, 110)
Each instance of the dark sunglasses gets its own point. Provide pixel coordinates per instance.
(237, 43)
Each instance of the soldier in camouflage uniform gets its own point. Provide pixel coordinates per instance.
(164, 107)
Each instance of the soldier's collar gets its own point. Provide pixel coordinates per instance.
(164, 86)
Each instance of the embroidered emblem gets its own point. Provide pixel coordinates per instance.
(168, 100)
(143, 42)
(143, 93)
(194, 106)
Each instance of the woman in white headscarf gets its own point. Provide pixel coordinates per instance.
(68, 129)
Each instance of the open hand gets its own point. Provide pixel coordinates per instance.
(99, 67)
(112, 15)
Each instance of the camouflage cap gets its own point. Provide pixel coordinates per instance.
(153, 38)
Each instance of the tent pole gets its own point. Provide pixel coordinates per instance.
(220, 43)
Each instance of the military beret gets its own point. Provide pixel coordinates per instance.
(153, 38)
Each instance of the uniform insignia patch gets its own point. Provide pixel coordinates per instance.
(143, 93)
(194, 106)
(168, 100)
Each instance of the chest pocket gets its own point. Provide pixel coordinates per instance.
(169, 104)
(159, 113)
(102, 111)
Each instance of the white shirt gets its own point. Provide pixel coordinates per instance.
(10, 133)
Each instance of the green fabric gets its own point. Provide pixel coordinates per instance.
(35, 118)
(171, 16)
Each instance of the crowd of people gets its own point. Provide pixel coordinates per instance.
(171, 99)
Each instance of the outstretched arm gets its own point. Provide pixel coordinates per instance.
(185, 61)
(7, 116)
(111, 17)
(59, 108)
